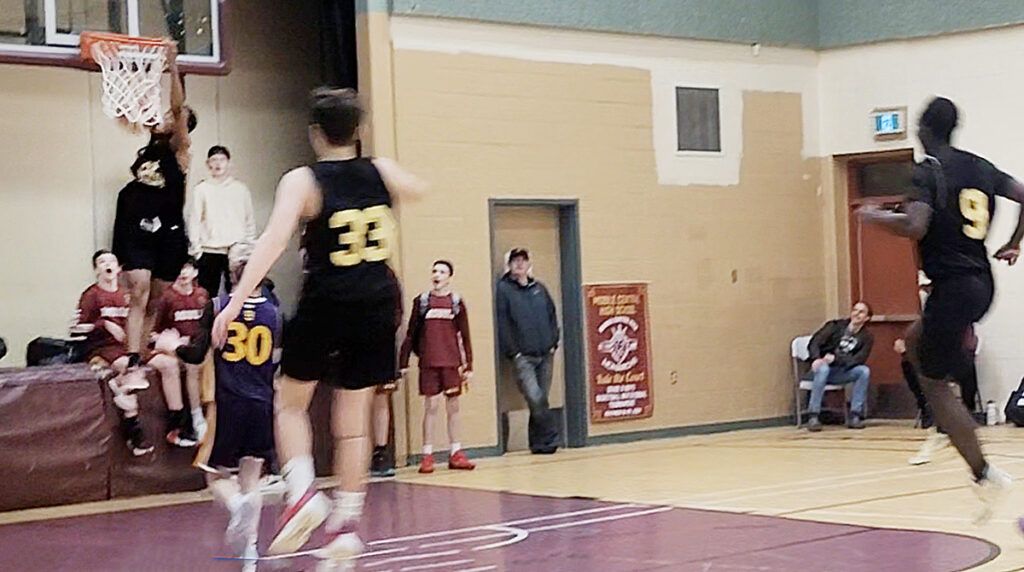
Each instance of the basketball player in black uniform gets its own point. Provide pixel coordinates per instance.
(948, 213)
(345, 321)
(149, 224)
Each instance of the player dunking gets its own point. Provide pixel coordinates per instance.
(948, 213)
(345, 319)
(149, 223)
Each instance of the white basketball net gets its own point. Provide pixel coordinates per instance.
(131, 80)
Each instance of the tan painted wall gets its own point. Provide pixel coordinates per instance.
(63, 161)
(480, 127)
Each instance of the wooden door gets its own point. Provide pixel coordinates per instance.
(535, 228)
(883, 274)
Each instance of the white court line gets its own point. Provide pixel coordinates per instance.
(438, 565)
(463, 540)
(508, 523)
(315, 550)
(813, 513)
(828, 479)
(518, 535)
(414, 557)
(833, 479)
(601, 519)
(909, 472)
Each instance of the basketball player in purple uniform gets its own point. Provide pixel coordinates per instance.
(345, 321)
(948, 214)
(243, 425)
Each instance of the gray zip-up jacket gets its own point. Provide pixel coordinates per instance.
(527, 321)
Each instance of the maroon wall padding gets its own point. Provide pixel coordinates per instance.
(167, 469)
(61, 440)
(54, 439)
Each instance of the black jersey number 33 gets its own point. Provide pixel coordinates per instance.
(364, 235)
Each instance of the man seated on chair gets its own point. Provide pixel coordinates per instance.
(838, 352)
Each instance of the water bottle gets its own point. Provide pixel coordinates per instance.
(991, 413)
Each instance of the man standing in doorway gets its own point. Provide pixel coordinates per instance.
(528, 333)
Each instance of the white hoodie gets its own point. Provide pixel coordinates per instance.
(220, 215)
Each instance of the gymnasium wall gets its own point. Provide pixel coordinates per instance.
(971, 70)
(807, 23)
(731, 244)
(63, 161)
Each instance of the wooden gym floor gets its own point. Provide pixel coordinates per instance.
(856, 478)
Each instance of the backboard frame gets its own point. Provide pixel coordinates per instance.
(69, 56)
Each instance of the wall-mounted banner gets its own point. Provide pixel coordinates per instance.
(618, 352)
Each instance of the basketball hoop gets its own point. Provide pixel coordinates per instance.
(131, 68)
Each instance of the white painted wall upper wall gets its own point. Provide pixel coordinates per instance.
(730, 68)
(971, 69)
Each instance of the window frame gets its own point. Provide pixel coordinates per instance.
(62, 49)
(718, 102)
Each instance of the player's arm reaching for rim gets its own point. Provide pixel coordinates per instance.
(181, 142)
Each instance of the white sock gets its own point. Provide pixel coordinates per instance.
(298, 475)
(234, 503)
(428, 449)
(456, 447)
(348, 507)
(197, 416)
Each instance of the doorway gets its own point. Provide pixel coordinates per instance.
(883, 272)
(549, 230)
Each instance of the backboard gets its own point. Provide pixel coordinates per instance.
(46, 32)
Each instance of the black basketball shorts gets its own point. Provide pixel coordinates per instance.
(244, 428)
(954, 304)
(346, 343)
(163, 254)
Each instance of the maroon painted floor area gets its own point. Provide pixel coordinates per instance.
(414, 528)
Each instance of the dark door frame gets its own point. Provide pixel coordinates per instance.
(572, 315)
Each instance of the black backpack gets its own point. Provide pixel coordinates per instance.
(1015, 406)
(52, 351)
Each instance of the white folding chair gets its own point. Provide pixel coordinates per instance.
(803, 378)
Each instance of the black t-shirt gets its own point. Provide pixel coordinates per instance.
(348, 245)
(150, 207)
(960, 187)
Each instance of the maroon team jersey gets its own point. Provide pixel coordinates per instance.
(441, 337)
(181, 311)
(97, 305)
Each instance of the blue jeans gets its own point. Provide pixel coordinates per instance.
(858, 375)
(534, 376)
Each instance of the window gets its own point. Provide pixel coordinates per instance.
(51, 27)
(885, 179)
(697, 125)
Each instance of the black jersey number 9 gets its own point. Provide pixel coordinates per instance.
(974, 208)
(367, 235)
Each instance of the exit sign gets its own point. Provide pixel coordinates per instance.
(889, 123)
